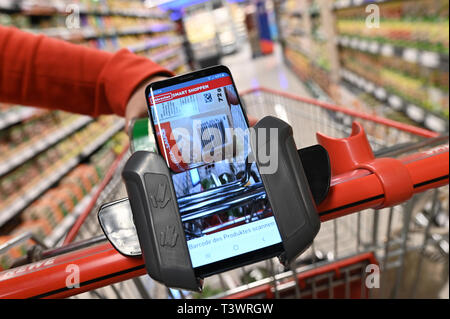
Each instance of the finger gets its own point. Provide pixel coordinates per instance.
(231, 97)
(252, 120)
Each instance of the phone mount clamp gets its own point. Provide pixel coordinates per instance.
(300, 181)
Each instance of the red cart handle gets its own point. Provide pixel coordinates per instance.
(354, 152)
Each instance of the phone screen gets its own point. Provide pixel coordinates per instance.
(202, 132)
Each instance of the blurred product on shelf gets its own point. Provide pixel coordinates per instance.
(421, 24)
(47, 212)
(252, 30)
(264, 28)
(306, 42)
(201, 32)
(403, 62)
(427, 88)
(17, 182)
(108, 26)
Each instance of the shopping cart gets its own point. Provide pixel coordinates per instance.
(361, 251)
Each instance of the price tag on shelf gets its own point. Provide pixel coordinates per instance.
(361, 82)
(363, 45)
(395, 102)
(429, 59)
(369, 87)
(387, 50)
(12, 210)
(410, 55)
(416, 113)
(87, 32)
(380, 93)
(374, 47)
(11, 117)
(435, 123)
(352, 77)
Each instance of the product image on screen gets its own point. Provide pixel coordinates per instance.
(202, 133)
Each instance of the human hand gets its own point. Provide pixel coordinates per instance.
(137, 105)
(233, 99)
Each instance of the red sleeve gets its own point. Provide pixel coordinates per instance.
(45, 72)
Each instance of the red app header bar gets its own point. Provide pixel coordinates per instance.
(190, 90)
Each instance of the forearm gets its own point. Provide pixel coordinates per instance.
(44, 72)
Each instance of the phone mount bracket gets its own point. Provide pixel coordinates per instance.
(156, 216)
(157, 220)
(286, 185)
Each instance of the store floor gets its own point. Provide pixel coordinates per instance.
(268, 71)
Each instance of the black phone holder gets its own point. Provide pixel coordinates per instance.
(301, 181)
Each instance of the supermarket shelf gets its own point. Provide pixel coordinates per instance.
(175, 65)
(316, 91)
(26, 199)
(48, 180)
(165, 54)
(90, 33)
(344, 4)
(15, 116)
(68, 221)
(294, 46)
(414, 112)
(88, 150)
(313, 12)
(61, 8)
(124, 13)
(32, 150)
(315, 68)
(427, 59)
(154, 28)
(153, 43)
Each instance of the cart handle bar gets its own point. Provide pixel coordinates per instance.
(102, 265)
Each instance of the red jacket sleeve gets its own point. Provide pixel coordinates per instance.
(45, 72)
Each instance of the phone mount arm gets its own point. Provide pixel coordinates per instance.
(157, 219)
(287, 185)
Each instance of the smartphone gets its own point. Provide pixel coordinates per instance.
(201, 130)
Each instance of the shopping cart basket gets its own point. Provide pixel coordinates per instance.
(356, 240)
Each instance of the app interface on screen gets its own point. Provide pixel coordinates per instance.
(202, 133)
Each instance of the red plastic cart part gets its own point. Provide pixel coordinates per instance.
(354, 152)
(360, 189)
(95, 267)
(102, 265)
(266, 291)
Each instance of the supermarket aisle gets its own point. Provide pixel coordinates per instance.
(269, 71)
